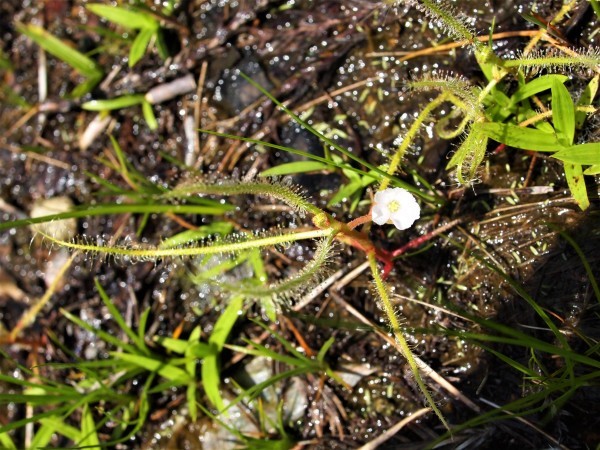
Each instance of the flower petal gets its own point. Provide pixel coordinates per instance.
(395, 205)
(380, 213)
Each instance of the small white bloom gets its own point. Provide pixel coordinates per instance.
(397, 206)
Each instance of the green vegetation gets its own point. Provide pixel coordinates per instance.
(100, 402)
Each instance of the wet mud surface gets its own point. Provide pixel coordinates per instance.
(342, 64)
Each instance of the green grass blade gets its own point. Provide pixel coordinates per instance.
(563, 113)
(125, 101)
(211, 380)
(89, 435)
(42, 436)
(62, 51)
(127, 18)
(588, 154)
(105, 336)
(6, 442)
(586, 99)
(536, 86)
(226, 322)
(117, 317)
(204, 231)
(54, 412)
(576, 183)
(164, 369)
(140, 43)
(149, 116)
(521, 137)
(111, 208)
(294, 167)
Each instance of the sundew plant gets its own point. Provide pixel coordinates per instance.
(526, 103)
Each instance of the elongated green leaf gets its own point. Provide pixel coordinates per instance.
(294, 167)
(127, 18)
(592, 170)
(536, 86)
(111, 208)
(44, 434)
(521, 137)
(580, 154)
(149, 116)
(60, 427)
(15, 424)
(141, 332)
(117, 317)
(191, 399)
(89, 435)
(124, 101)
(164, 369)
(226, 322)
(59, 49)
(6, 442)
(105, 336)
(596, 7)
(41, 399)
(576, 182)
(586, 99)
(175, 345)
(563, 113)
(138, 48)
(211, 380)
(185, 237)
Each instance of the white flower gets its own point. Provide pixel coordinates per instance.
(397, 206)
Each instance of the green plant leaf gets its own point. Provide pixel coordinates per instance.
(191, 399)
(586, 99)
(576, 182)
(596, 7)
(59, 49)
(111, 208)
(580, 154)
(127, 18)
(44, 434)
(294, 167)
(211, 380)
(109, 338)
(521, 137)
(60, 427)
(204, 231)
(211, 376)
(563, 113)
(6, 442)
(117, 317)
(124, 101)
(164, 369)
(226, 322)
(89, 435)
(149, 116)
(536, 86)
(592, 170)
(139, 45)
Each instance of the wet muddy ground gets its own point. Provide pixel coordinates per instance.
(345, 64)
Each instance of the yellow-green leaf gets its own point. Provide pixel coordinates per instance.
(58, 48)
(138, 48)
(588, 153)
(294, 167)
(124, 101)
(127, 18)
(521, 137)
(563, 113)
(576, 182)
